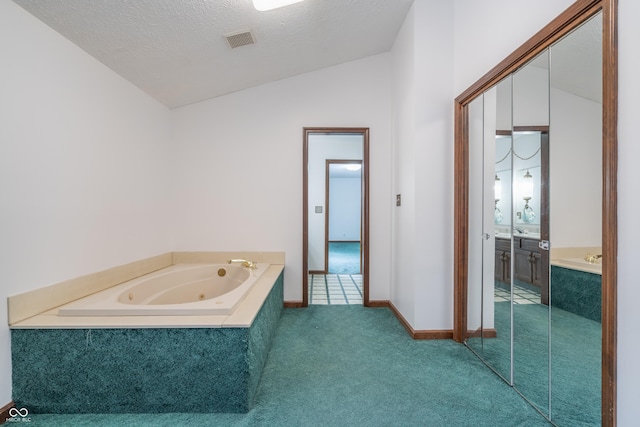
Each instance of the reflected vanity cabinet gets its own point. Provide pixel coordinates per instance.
(503, 261)
(527, 264)
(527, 259)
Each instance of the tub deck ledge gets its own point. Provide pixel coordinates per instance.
(242, 317)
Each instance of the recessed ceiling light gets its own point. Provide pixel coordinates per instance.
(263, 5)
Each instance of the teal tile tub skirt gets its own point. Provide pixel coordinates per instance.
(195, 370)
(577, 292)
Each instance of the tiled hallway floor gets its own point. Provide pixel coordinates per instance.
(334, 289)
(521, 295)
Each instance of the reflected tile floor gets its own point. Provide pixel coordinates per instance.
(521, 295)
(335, 289)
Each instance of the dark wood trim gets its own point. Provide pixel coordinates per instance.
(577, 13)
(401, 318)
(445, 334)
(328, 164)
(484, 333)
(543, 129)
(4, 411)
(379, 303)
(461, 222)
(502, 132)
(420, 334)
(293, 304)
(305, 218)
(317, 272)
(609, 210)
(545, 222)
(364, 242)
(326, 215)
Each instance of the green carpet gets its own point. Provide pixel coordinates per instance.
(575, 360)
(344, 257)
(354, 366)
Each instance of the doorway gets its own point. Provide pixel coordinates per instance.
(343, 221)
(335, 215)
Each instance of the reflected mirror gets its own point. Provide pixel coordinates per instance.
(489, 310)
(575, 220)
(498, 161)
(530, 100)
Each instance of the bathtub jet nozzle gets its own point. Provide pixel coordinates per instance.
(245, 263)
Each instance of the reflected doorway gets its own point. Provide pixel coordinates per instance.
(335, 216)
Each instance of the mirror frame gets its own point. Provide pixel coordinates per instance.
(365, 207)
(568, 20)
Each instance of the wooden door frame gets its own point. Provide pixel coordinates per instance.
(544, 203)
(328, 163)
(364, 240)
(568, 20)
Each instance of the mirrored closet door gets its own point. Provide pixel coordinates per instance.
(534, 227)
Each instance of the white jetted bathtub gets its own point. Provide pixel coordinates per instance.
(179, 290)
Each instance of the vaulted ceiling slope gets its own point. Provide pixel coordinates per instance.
(175, 50)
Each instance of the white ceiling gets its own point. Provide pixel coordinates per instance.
(175, 50)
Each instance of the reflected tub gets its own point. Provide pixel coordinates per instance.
(579, 264)
(179, 290)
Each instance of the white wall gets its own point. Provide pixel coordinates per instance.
(487, 31)
(575, 172)
(238, 163)
(83, 158)
(404, 116)
(423, 155)
(530, 95)
(628, 387)
(434, 160)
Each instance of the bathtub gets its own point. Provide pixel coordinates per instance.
(178, 290)
(576, 284)
(130, 338)
(579, 264)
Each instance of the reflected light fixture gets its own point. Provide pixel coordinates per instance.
(353, 167)
(527, 186)
(497, 191)
(527, 193)
(264, 5)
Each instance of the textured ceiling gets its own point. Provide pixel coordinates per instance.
(175, 50)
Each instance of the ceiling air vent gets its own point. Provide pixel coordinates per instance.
(240, 38)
